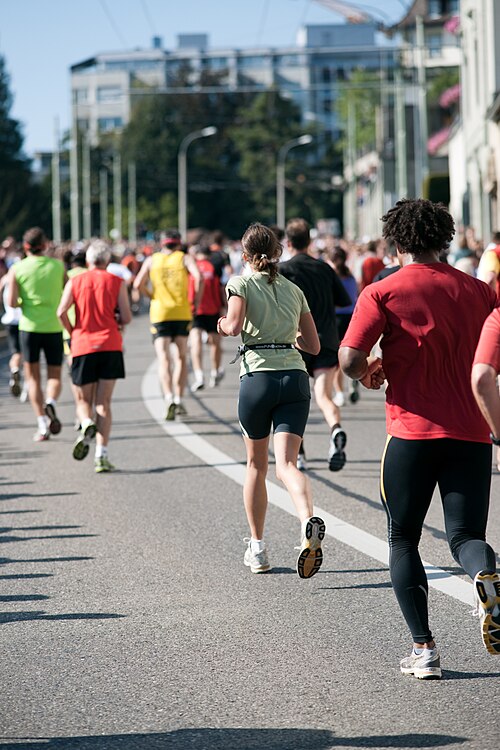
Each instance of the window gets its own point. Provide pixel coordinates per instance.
(107, 124)
(253, 61)
(80, 96)
(109, 93)
(435, 8)
(435, 45)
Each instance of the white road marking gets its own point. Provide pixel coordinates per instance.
(340, 530)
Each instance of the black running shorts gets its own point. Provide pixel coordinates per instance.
(279, 399)
(207, 323)
(326, 359)
(32, 344)
(89, 368)
(13, 338)
(170, 329)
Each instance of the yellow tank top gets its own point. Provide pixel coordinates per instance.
(169, 278)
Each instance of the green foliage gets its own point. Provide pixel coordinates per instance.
(440, 82)
(22, 203)
(358, 101)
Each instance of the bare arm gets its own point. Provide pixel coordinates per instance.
(361, 366)
(193, 269)
(64, 305)
(490, 277)
(232, 323)
(307, 338)
(13, 290)
(124, 305)
(142, 279)
(485, 389)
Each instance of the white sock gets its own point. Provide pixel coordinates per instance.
(101, 451)
(177, 399)
(51, 401)
(257, 545)
(85, 423)
(43, 424)
(213, 373)
(198, 375)
(168, 398)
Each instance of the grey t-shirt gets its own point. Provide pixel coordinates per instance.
(272, 317)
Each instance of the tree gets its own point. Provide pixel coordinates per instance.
(22, 203)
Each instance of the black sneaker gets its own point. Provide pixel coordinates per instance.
(336, 456)
(15, 383)
(55, 425)
(354, 392)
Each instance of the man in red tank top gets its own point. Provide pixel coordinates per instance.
(101, 308)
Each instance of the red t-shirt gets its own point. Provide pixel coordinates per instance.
(488, 349)
(211, 300)
(430, 317)
(96, 298)
(370, 267)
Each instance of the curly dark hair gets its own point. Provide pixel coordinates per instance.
(419, 226)
(262, 248)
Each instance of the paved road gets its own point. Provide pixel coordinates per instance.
(129, 620)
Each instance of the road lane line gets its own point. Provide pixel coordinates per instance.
(340, 530)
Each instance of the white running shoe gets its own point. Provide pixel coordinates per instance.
(302, 462)
(311, 555)
(336, 455)
(487, 601)
(339, 399)
(258, 562)
(198, 385)
(216, 377)
(424, 666)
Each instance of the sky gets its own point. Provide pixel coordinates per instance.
(41, 39)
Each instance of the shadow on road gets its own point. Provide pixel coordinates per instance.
(6, 617)
(233, 739)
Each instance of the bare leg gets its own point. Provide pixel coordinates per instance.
(323, 384)
(54, 384)
(162, 349)
(180, 366)
(32, 374)
(215, 351)
(254, 490)
(84, 401)
(103, 393)
(286, 448)
(196, 346)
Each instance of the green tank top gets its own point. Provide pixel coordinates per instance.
(40, 282)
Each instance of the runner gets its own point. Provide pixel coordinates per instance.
(170, 314)
(273, 318)
(96, 348)
(36, 284)
(323, 291)
(205, 320)
(10, 319)
(484, 385)
(436, 433)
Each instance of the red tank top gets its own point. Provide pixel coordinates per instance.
(96, 298)
(211, 300)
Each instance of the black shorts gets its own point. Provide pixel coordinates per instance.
(279, 398)
(89, 368)
(326, 359)
(207, 323)
(170, 329)
(13, 338)
(50, 343)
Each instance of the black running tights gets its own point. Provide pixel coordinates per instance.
(410, 472)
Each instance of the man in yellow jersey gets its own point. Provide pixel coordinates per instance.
(35, 285)
(164, 279)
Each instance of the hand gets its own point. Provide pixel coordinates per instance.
(374, 377)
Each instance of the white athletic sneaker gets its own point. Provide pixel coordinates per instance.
(216, 377)
(197, 385)
(258, 562)
(487, 601)
(311, 555)
(424, 666)
(339, 399)
(301, 462)
(336, 455)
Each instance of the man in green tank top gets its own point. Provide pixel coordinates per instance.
(36, 285)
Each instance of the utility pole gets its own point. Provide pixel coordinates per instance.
(422, 168)
(103, 202)
(87, 216)
(56, 186)
(132, 207)
(117, 194)
(73, 169)
(351, 157)
(400, 124)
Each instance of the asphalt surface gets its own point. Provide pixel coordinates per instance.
(129, 621)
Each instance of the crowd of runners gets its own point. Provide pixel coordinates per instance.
(309, 309)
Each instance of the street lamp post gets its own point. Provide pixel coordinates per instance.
(303, 140)
(182, 174)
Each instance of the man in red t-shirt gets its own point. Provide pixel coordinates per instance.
(373, 263)
(429, 317)
(205, 318)
(101, 308)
